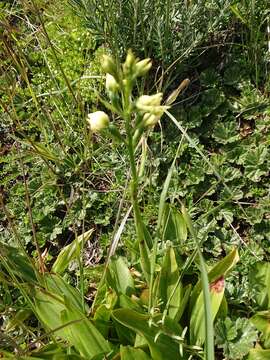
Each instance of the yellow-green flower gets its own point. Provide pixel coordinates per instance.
(151, 104)
(111, 83)
(98, 121)
(108, 64)
(150, 119)
(142, 67)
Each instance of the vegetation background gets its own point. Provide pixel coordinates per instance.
(65, 192)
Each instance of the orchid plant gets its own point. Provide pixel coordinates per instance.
(139, 114)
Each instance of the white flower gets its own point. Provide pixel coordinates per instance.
(111, 83)
(98, 121)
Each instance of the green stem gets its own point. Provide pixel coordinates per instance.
(144, 251)
(134, 179)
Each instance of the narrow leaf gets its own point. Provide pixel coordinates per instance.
(69, 252)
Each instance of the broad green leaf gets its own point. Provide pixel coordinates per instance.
(83, 335)
(211, 100)
(185, 298)
(169, 276)
(127, 302)
(206, 294)
(20, 265)
(174, 226)
(101, 319)
(259, 278)
(161, 345)
(119, 277)
(54, 351)
(130, 353)
(124, 334)
(59, 311)
(70, 252)
(145, 259)
(221, 269)
(262, 322)
(255, 162)
(197, 321)
(55, 284)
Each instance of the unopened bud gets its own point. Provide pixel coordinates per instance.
(111, 83)
(98, 121)
(150, 119)
(108, 64)
(145, 101)
(151, 104)
(128, 65)
(143, 66)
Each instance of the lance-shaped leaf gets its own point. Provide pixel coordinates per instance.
(119, 277)
(130, 353)
(160, 338)
(70, 252)
(174, 227)
(59, 311)
(19, 263)
(221, 269)
(259, 279)
(197, 322)
(259, 354)
(262, 322)
(169, 291)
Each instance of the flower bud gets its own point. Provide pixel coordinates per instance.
(150, 119)
(108, 64)
(98, 121)
(143, 66)
(111, 83)
(128, 66)
(145, 102)
(151, 105)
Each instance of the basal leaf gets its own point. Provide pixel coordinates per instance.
(59, 310)
(262, 322)
(226, 132)
(69, 252)
(174, 227)
(161, 345)
(119, 277)
(236, 338)
(197, 321)
(131, 353)
(259, 354)
(169, 276)
(259, 279)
